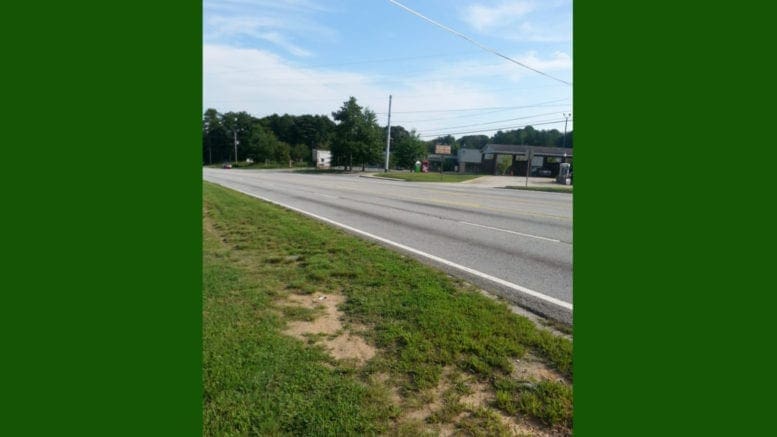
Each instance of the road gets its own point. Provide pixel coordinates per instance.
(516, 244)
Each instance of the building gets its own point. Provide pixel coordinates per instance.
(323, 158)
(469, 160)
(544, 160)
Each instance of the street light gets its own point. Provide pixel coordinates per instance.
(566, 119)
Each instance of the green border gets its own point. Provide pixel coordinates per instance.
(672, 327)
(101, 283)
(101, 306)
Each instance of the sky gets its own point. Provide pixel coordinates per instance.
(308, 57)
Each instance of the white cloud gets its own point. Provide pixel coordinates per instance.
(261, 83)
(265, 28)
(279, 40)
(222, 27)
(559, 64)
(521, 20)
(482, 17)
(244, 6)
(287, 24)
(559, 61)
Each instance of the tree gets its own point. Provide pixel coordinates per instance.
(568, 143)
(509, 137)
(473, 141)
(263, 146)
(215, 146)
(406, 147)
(551, 137)
(239, 127)
(300, 152)
(356, 135)
(447, 139)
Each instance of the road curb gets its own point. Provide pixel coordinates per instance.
(379, 177)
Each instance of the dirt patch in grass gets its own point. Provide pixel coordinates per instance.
(327, 328)
(452, 406)
(481, 395)
(350, 347)
(531, 368)
(293, 312)
(460, 402)
(481, 399)
(431, 401)
(383, 379)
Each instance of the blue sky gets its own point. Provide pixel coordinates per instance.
(307, 57)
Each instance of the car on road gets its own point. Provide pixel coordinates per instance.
(226, 166)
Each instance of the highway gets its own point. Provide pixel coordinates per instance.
(512, 243)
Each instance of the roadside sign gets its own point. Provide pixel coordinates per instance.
(442, 149)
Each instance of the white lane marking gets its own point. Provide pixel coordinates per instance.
(502, 282)
(511, 232)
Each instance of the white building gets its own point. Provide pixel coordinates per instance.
(323, 158)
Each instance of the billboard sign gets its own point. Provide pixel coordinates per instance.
(442, 149)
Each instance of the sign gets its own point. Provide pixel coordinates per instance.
(441, 149)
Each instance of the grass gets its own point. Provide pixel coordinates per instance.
(313, 170)
(261, 165)
(429, 177)
(552, 189)
(483, 422)
(549, 401)
(259, 381)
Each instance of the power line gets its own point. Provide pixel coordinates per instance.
(473, 115)
(488, 130)
(459, 34)
(473, 89)
(497, 121)
(477, 109)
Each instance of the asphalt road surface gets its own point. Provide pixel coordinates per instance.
(516, 244)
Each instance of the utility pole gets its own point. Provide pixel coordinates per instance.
(529, 158)
(388, 137)
(234, 130)
(566, 119)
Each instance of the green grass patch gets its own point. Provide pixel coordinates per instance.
(259, 381)
(549, 401)
(314, 170)
(261, 165)
(483, 423)
(429, 177)
(551, 189)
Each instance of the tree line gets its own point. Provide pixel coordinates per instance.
(352, 134)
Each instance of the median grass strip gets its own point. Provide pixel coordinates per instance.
(549, 188)
(428, 177)
(286, 299)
